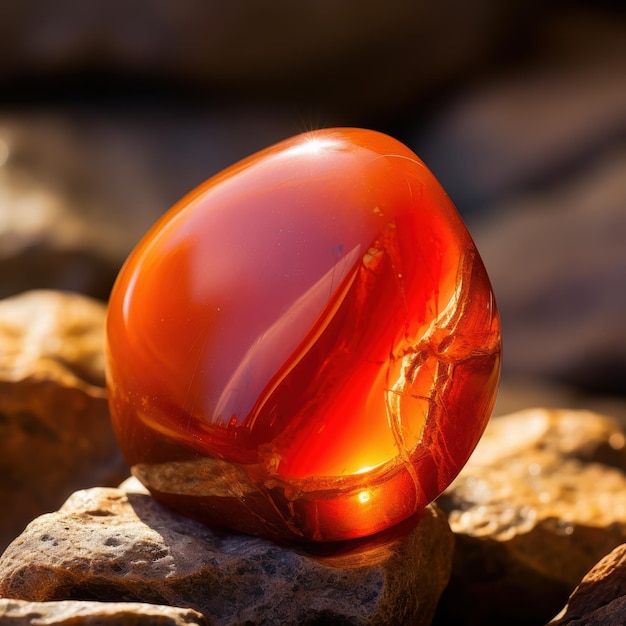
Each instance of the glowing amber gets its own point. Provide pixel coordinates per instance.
(306, 347)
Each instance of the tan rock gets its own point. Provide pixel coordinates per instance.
(600, 598)
(107, 544)
(85, 613)
(540, 501)
(55, 433)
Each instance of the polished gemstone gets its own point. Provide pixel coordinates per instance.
(306, 347)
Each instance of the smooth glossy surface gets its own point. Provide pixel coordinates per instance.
(306, 346)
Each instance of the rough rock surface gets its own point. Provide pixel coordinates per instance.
(55, 433)
(86, 613)
(542, 499)
(119, 544)
(600, 598)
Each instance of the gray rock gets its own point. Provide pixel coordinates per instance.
(85, 613)
(112, 544)
(55, 432)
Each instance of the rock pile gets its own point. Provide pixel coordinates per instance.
(542, 500)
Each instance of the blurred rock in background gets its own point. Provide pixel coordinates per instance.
(111, 111)
(536, 160)
(351, 57)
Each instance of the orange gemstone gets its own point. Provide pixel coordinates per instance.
(307, 346)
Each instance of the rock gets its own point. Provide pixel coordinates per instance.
(540, 501)
(600, 598)
(107, 544)
(73, 613)
(55, 433)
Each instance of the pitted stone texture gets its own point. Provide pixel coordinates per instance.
(600, 598)
(85, 613)
(540, 501)
(55, 433)
(112, 544)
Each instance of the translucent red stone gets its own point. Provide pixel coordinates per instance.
(306, 347)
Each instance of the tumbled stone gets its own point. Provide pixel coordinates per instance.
(306, 347)
(86, 613)
(540, 501)
(106, 544)
(55, 433)
(600, 598)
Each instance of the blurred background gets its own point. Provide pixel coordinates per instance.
(112, 110)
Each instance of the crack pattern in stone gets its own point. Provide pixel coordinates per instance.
(307, 346)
